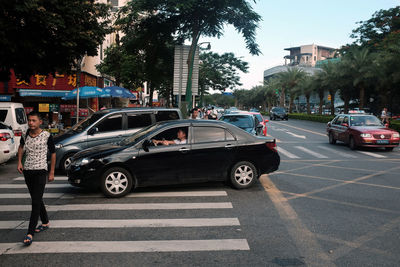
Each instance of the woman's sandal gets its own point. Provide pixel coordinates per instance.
(41, 228)
(29, 242)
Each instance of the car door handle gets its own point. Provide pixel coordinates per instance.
(228, 146)
(184, 149)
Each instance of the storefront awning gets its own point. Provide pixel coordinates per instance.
(43, 93)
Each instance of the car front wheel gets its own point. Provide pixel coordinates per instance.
(332, 139)
(352, 143)
(243, 175)
(116, 182)
(66, 161)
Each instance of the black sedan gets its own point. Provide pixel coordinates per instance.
(245, 121)
(174, 152)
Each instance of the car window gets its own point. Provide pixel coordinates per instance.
(3, 126)
(111, 123)
(346, 120)
(21, 116)
(82, 125)
(166, 115)
(339, 120)
(259, 117)
(208, 134)
(3, 114)
(239, 121)
(365, 121)
(136, 120)
(172, 135)
(229, 136)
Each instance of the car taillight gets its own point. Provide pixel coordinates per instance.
(17, 132)
(4, 136)
(272, 146)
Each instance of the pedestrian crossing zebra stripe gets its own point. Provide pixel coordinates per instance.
(315, 154)
(132, 206)
(95, 223)
(287, 153)
(23, 186)
(343, 154)
(27, 195)
(372, 154)
(125, 246)
(56, 178)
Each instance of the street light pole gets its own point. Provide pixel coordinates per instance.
(78, 83)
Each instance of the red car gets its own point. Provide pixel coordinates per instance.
(361, 130)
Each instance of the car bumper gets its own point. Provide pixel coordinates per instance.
(272, 164)
(379, 143)
(84, 176)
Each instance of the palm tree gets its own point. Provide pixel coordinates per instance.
(307, 87)
(330, 81)
(289, 79)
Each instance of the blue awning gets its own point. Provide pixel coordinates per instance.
(43, 93)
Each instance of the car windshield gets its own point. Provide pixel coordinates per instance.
(278, 110)
(82, 125)
(140, 135)
(365, 121)
(239, 121)
(259, 117)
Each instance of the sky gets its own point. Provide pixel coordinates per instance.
(290, 23)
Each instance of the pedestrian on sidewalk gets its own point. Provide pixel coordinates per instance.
(34, 148)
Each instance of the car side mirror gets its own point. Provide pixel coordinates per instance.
(146, 144)
(93, 130)
(266, 120)
(345, 125)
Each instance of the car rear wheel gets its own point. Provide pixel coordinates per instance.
(389, 148)
(116, 182)
(332, 139)
(243, 175)
(352, 143)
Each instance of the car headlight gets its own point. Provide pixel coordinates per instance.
(396, 135)
(365, 135)
(58, 146)
(83, 161)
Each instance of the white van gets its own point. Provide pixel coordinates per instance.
(13, 114)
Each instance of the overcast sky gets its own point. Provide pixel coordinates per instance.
(287, 23)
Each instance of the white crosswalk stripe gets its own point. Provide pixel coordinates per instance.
(56, 178)
(287, 153)
(18, 186)
(27, 195)
(372, 154)
(338, 152)
(126, 246)
(315, 154)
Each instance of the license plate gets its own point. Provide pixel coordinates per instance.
(383, 142)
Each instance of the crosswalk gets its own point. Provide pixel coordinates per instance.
(326, 151)
(73, 209)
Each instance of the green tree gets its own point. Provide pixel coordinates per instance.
(191, 19)
(39, 36)
(219, 72)
(289, 79)
(307, 87)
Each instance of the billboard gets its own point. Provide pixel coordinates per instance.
(181, 70)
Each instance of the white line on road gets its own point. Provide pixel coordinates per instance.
(27, 195)
(18, 186)
(125, 246)
(196, 222)
(158, 194)
(315, 154)
(372, 154)
(287, 153)
(296, 135)
(57, 178)
(134, 206)
(343, 154)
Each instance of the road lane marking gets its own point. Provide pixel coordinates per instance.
(343, 154)
(296, 135)
(133, 206)
(305, 130)
(157, 194)
(18, 186)
(303, 238)
(57, 178)
(191, 222)
(287, 153)
(372, 154)
(315, 154)
(27, 195)
(125, 246)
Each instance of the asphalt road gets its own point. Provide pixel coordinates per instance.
(326, 206)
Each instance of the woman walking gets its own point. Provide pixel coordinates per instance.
(36, 144)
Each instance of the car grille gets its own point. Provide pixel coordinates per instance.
(382, 136)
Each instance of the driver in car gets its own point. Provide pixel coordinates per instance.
(181, 139)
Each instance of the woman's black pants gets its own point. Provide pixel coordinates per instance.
(36, 181)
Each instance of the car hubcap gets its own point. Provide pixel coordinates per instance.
(67, 162)
(244, 175)
(116, 182)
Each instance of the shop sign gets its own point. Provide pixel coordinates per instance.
(67, 108)
(83, 112)
(28, 109)
(54, 107)
(5, 98)
(44, 107)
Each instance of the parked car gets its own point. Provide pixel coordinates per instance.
(214, 151)
(360, 130)
(107, 126)
(278, 113)
(262, 121)
(8, 146)
(245, 121)
(13, 115)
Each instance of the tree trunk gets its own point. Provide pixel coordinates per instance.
(346, 104)
(362, 97)
(332, 93)
(321, 103)
(308, 104)
(151, 91)
(282, 98)
(291, 100)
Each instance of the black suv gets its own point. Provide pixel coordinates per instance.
(278, 113)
